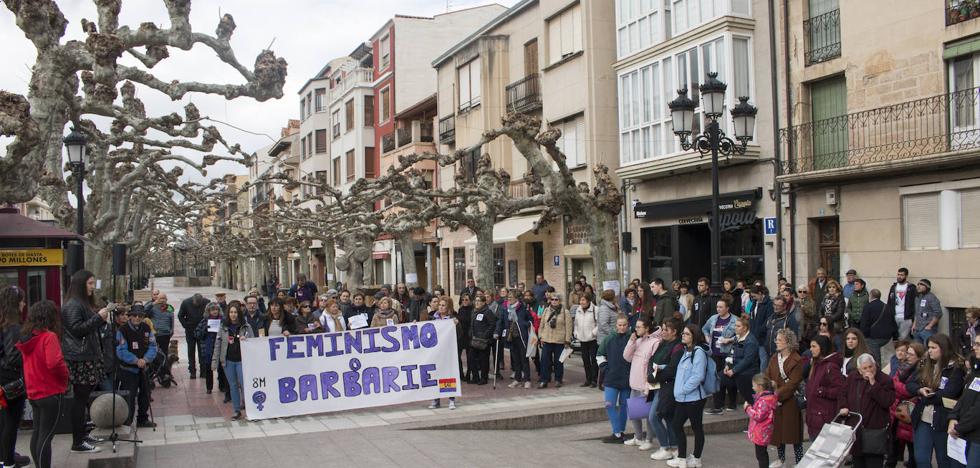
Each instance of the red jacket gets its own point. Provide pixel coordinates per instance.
(824, 386)
(45, 372)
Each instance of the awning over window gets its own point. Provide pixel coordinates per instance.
(509, 229)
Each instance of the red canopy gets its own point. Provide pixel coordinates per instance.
(15, 225)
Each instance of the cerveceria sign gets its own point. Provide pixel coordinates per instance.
(31, 257)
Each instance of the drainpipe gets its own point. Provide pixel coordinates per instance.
(789, 148)
(777, 163)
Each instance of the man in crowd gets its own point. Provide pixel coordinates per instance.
(928, 311)
(818, 286)
(162, 317)
(665, 301)
(901, 303)
(540, 289)
(704, 306)
(762, 309)
(303, 290)
(344, 302)
(877, 325)
(470, 289)
(220, 298)
(855, 304)
(254, 317)
(190, 314)
(851, 277)
(781, 318)
(153, 298)
(135, 348)
(418, 305)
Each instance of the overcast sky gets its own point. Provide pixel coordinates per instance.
(306, 33)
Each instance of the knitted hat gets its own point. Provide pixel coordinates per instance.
(926, 282)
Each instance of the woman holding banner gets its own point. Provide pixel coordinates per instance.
(444, 311)
(385, 315)
(481, 333)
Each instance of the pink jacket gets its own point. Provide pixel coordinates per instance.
(638, 353)
(761, 418)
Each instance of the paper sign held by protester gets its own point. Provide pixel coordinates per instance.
(411, 278)
(325, 372)
(614, 285)
(565, 353)
(358, 321)
(214, 325)
(956, 449)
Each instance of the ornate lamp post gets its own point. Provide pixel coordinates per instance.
(75, 144)
(713, 141)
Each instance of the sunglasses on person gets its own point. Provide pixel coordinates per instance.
(803, 291)
(824, 324)
(555, 300)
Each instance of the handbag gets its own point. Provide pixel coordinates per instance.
(638, 407)
(479, 343)
(903, 412)
(14, 389)
(800, 395)
(875, 441)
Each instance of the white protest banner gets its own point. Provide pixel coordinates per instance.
(324, 372)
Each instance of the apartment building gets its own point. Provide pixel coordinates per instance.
(663, 46)
(880, 143)
(551, 58)
(404, 90)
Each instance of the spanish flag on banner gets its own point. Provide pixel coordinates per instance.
(447, 385)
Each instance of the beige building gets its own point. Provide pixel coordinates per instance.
(663, 47)
(882, 147)
(552, 58)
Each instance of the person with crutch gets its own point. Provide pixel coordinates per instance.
(135, 347)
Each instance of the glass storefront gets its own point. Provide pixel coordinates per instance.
(683, 252)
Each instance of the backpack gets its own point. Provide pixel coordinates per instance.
(711, 383)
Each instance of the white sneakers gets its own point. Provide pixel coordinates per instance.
(514, 384)
(527, 384)
(646, 445)
(777, 464)
(632, 441)
(689, 462)
(662, 454)
(452, 404)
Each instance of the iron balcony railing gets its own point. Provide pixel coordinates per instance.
(447, 129)
(388, 142)
(524, 95)
(404, 136)
(924, 127)
(822, 35)
(958, 11)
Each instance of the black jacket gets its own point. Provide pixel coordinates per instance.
(617, 369)
(910, 294)
(875, 323)
(484, 327)
(358, 310)
(80, 340)
(190, 314)
(967, 409)
(833, 308)
(11, 363)
(702, 309)
(954, 377)
(667, 376)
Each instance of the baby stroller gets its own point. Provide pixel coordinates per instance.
(832, 446)
(159, 370)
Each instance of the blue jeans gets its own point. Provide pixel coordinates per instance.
(665, 437)
(616, 407)
(923, 336)
(236, 383)
(763, 359)
(550, 352)
(925, 441)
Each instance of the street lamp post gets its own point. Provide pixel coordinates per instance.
(75, 144)
(713, 141)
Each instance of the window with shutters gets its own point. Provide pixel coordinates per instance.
(468, 81)
(531, 57)
(369, 172)
(302, 109)
(920, 221)
(319, 96)
(970, 218)
(321, 141)
(565, 34)
(469, 163)
(336, 171)
(459, 269)
(309, 145)
(368, 111)
(385, 56)
(335, 123)
(572, 141)
(349, 114)
(350, 165)
(385, 105)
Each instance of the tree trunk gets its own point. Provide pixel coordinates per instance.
(407, 245)
(304, 260)
(330, 260)
(602, 243)
(484, 257)
(367, 267)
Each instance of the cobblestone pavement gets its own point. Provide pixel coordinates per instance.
(569, 446)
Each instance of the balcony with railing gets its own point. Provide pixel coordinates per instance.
(822, 36)
(524, 95)
(937, 131)
(357, 76)
(958, 11)
(388, 142)
(447, 129)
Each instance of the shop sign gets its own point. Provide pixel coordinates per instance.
(31, 257)
(736, 204)
(730, 220)
(691, 220)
